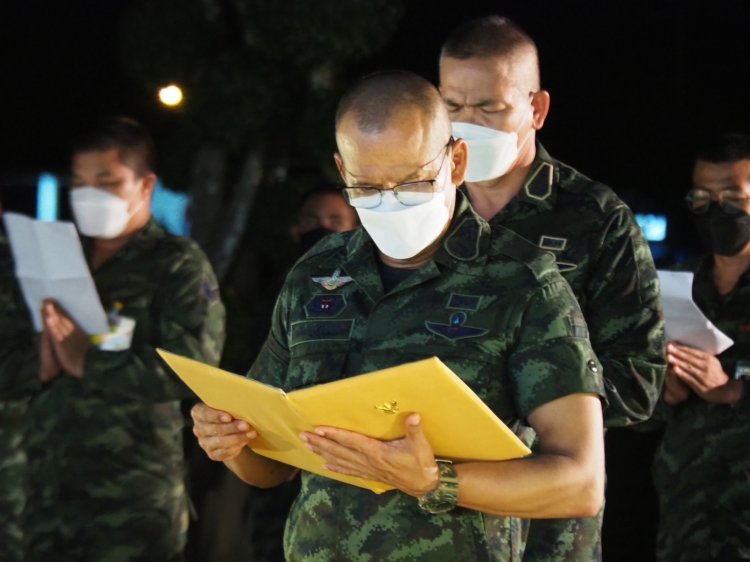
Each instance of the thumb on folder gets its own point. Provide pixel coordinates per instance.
(407, 463)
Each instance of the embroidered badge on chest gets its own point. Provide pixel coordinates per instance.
(456, 328)
(325, 306)
(333, 282)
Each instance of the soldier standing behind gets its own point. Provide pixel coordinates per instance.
(702, 466)
(105, 449)
(489, 80)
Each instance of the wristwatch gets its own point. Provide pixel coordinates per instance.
(445, 496)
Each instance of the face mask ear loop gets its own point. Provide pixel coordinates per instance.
(138, 208)
(528, 134)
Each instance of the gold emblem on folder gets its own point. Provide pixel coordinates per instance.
(388, 407)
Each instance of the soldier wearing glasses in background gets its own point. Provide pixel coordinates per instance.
(702, 467)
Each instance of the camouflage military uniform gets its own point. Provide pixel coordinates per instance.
(702, 466)
(491, 306)
(105, 451)
(600, 251)
(18, 379)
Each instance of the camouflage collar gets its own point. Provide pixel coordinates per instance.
(467, 237)
(143, 239)
(538, 188)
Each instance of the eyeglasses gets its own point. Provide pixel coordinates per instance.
(732, 201)
(410, 193)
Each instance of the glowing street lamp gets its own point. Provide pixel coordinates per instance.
(171, 95)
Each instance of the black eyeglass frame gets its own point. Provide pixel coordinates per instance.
(398, 188)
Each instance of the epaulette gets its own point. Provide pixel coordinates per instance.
(508, 243)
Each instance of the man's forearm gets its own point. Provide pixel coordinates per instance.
(259, 471)
(543, 486)
(565, 480)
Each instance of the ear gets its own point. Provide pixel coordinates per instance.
(540, 102)
(459, 161)
(149, 184)
(339, 166)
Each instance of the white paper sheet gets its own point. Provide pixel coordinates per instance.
(684, 320)
(50, 264)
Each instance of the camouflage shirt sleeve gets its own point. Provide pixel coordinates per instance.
(624, 315)
(553, 357)
(19, 363)
(271, 365)
(188, 320)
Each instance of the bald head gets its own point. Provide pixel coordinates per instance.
(496, 37)
(379, 100)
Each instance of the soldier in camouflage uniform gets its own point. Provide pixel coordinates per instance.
(17, 382)
(421, 280)
(489, 80)
(702, 467)
(104, 438)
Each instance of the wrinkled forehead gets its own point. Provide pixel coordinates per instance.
(508, 74)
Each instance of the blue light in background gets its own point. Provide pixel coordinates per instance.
(47, 197)
(170, 209)
(654, 227)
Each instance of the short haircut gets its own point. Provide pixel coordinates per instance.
(378, 97)
(724, 147)
(131, 139)
(489, 36)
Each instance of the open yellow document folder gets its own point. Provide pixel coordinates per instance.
(458, 425)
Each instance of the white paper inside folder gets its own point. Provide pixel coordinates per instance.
(684, 321)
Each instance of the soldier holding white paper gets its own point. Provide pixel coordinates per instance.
(702, 469)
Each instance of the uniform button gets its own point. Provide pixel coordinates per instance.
(593, 367)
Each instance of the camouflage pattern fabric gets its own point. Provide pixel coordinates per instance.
(601, 252)
(489, 305)
(105, 452)
(14, 395)
(702, 466)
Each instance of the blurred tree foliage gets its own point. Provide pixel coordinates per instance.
(261, 81)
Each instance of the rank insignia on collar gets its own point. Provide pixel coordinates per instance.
(334, 281)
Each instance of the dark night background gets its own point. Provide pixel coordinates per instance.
(634, 86)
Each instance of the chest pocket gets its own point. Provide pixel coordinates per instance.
(318, 349)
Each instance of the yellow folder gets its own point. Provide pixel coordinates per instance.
(458, 425)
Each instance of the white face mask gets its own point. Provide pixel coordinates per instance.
(402, 231)
(100, 214)
(491, 152)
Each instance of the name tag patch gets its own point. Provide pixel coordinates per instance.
(552, 243)
(320, 330)
(464, 302)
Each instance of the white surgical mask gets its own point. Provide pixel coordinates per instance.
(402, 231)
(491, 152)
(100, 214)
